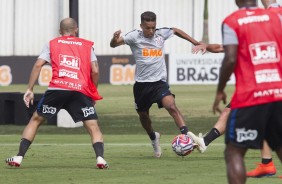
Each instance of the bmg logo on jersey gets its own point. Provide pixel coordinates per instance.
(88, 110)
(48, 110)
(70, 61)
(264, 52)
(246, 135)
(152, 52)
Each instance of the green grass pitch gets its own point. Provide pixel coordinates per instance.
(65, 155)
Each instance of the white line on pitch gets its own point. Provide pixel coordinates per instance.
(106, 144)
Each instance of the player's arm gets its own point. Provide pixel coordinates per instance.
(228, 65)
(94, 68)
(203, 47)
(185, 36)
(29, 96)
(215, 48)
(95, 72)
(117, 40)
(227, 68)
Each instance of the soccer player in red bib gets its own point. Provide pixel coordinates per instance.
(266, 167)
(256, 104)
(73, 87)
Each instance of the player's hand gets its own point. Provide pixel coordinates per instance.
(220, 96)
(116, 34)
(202, 47)
(28, 97)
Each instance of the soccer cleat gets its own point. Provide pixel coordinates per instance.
(199, 141)
(101, 163)
(262, 170)
(156, 145)
(14, 161)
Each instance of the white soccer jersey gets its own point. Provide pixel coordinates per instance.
(149, 54)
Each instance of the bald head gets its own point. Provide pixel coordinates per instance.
(266, 3)
(68, 26)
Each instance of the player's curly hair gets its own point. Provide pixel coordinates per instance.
(148, 16)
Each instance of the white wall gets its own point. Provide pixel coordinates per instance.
(36, 22)
(29, 24)
(26, 25)
(100, 18)
(7, 27)
(218, 10)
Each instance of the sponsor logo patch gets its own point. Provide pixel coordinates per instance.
(250, 12)
(48, 110)
(246, 135)
(264, 52)
(269, 92)
(152, 52)
(252, 19)
(68, 84)
(268, 75)
(69, 42)
(88, 110)
(67, 73)
(70, 61)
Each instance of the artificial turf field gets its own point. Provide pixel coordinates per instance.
(65, 155)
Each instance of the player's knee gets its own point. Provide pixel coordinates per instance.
(171, 107)
(91, 125)
(36, 118)
(143, 115)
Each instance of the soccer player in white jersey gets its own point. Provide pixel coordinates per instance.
(151, 84)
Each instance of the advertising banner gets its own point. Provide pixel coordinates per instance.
(195, 69)
(15, 69)
(116, 70)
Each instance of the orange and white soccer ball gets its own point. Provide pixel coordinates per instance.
(182, 145)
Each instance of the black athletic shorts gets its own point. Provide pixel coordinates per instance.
(78, 105)
(249, 126)
(147, 93)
